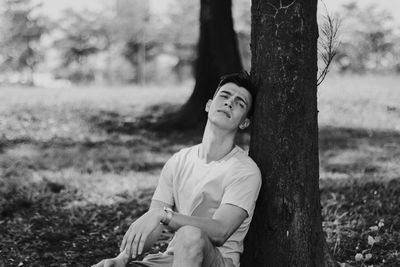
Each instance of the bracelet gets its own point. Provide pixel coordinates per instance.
(168, 216)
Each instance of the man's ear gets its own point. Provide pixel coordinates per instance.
(208, 104)
(244, 124)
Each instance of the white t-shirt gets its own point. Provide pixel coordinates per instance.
(196, 188)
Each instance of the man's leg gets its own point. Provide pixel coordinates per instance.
(153, 260)
(194, 248)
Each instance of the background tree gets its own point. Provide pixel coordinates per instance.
(287, 225)
(133, 27)
(242, 19)
(180, 33)
(21, 30)
(217, 54)
(162, 43)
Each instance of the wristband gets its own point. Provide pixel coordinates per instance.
(168, 216)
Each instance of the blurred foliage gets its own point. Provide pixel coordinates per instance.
(369, 40)
(81, 36)
(21, 29)
(128, 42)
(135, 44)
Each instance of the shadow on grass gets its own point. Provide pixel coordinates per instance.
(339, 137)
(127, 145)
(359, 154)
(113, 122)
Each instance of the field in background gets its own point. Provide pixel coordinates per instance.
(63, 162)
(366, 102)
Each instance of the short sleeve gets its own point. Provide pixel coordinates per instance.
(243, 191)
(164, 189)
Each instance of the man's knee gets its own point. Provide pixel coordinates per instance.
(191, 239)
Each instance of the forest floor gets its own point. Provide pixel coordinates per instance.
(75, 170)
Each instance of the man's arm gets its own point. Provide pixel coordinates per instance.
(219, 228)
(225, 221)
(227, 218)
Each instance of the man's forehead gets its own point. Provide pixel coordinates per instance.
(235, 89)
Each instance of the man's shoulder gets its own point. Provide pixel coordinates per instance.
(242, 163)
(242, 157)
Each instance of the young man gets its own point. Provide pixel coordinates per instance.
(206, 193)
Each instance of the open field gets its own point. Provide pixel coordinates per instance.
(72, 178)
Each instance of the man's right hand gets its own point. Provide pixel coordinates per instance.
(142, 233)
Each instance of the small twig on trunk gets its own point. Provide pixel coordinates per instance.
(328, 43)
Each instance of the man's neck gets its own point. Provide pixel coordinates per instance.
(216, 143)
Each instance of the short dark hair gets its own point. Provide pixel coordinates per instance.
(241, 79)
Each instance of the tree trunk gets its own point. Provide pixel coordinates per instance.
(30, 65)
(141, 63)
(218, 54)
(287, 227)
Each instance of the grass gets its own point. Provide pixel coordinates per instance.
(365, 102)
(71, 182)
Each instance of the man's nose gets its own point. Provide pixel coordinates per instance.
(228, 103)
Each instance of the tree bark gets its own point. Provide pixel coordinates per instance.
(218, 54)
(287, 227)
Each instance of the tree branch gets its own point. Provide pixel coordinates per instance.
(328, 43)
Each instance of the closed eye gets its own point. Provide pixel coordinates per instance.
(240, 103)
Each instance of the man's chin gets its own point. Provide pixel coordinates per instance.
(223, 123)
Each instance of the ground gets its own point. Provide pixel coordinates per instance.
(77, 167)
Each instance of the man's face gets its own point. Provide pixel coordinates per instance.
(229, 107)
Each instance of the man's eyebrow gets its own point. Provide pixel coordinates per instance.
(226, 92)
(242, 99)
(239, 97)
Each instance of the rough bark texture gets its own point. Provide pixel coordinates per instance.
(287, 227)
(218, 54)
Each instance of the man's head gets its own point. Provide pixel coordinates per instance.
(241, 79)
(232, 104)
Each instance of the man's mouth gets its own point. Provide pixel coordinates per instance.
(225, 112)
